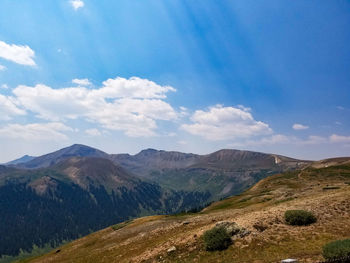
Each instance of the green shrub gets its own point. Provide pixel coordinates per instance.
(299, 217)
(337, 249)
(216, 238)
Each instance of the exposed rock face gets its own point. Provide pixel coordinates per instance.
(233, 229)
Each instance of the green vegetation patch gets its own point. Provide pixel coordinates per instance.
(299, 217)
(121, 225)
(216, 238)
(337, 249)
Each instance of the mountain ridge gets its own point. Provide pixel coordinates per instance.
(222, 173)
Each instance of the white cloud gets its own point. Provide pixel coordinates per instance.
(8, 108)
(76, 4)
(2, 67)
(225, 123)
(4, 86)
(23, 55)
(298, 126)
(340, 108)
(93, 132)
(133, 88)
(35, 131)
(81, 82)
(339, 138)
(129, 105)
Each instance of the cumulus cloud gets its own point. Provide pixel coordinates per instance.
(133, 88)
(2, 67)
(339, 138)
(23, 55)
(129, 105)
(298, 126)
(93, 132)
(8, 108)
(76, 4)
(35, 131)
(81, 82)
(225, 123)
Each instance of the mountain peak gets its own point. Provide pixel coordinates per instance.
(75, 150)
(23, 159)
(148, 151)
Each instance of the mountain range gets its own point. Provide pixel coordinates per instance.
(77, 190)
(322, 188)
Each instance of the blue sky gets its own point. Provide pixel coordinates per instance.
(194, 76)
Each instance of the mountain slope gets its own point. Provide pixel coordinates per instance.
(222, 173)
(73, 198)
(260, 209)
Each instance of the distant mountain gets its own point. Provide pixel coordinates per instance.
(331, 162)
(150, 160)
(23, 159)
(76, 150)
(74, 197)
(222, 173)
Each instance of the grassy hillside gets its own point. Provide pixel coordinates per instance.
(324, 191)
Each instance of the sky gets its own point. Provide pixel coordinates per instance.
(191, 76)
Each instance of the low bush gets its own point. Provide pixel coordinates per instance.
(216, 238)
(337, 249)
(299, 217)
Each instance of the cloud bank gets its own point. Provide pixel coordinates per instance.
(130, 105)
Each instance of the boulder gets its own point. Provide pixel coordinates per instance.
(171, 249)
